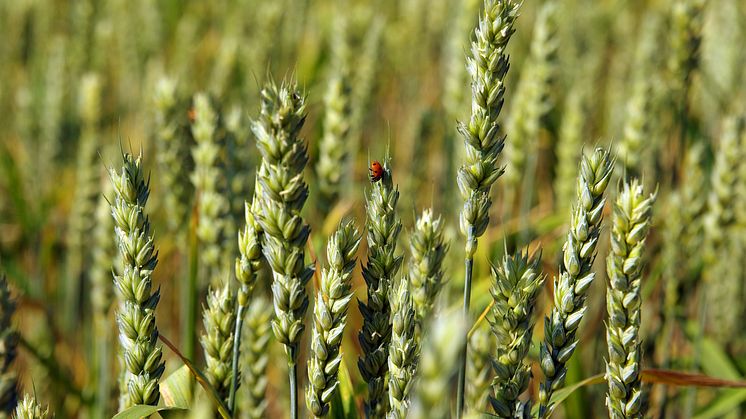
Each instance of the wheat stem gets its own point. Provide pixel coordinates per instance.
(384, 227)
(630, 224)
(330, 318)
(283, 193)
(483, 139)
(138, 333)
(516, 283)
(576, 275)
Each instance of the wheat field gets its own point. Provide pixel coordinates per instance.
(379, 209)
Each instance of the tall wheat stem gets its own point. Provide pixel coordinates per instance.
(483, 138)
(283, 194)
(247, 268)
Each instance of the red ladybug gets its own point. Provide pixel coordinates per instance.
(376, 171)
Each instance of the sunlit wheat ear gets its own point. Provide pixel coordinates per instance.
(255, 357)
(283, 193)
(483, 140)
(219, 318)
(428, 250)
(576, 274)
(630, 225)
(383, 225)
(173, 156)
(516, 282)
(29, 408)
(138, 333)
(441, 344)
(330, 318)
(8, 349)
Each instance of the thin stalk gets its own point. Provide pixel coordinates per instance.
(468, 272)
(293, 376)
(236, 353)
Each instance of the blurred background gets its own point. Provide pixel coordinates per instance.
(660, 82)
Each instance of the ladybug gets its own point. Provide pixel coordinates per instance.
(192, 115)
(376, 171)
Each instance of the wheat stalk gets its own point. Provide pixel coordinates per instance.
(138, 333)
(383, 227)
(630, 224)
(219, 319)
(403, 349)
(247, 269)
(283, 194)
(330, 318)
(576, 274)
(516, 283)
(483, 140)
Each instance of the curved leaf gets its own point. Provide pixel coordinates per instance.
(177, 389)
(201, 379)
